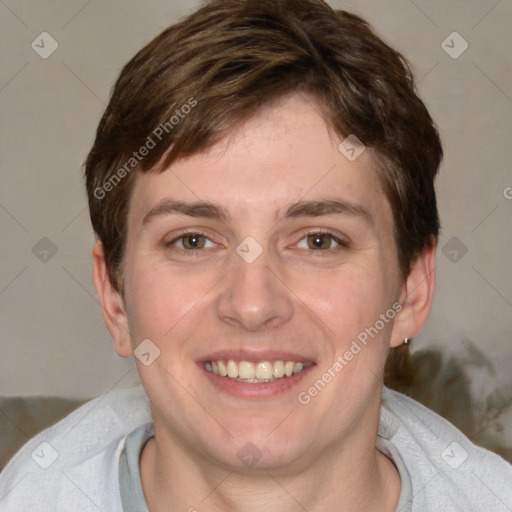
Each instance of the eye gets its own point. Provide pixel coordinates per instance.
(191, 241)
(320, 241)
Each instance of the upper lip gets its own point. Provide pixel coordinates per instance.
(255, 356)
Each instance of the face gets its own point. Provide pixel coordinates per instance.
(269, 257)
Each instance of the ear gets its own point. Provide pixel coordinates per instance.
(416, 297)
(112, 304)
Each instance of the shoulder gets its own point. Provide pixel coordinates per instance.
(73, 464)
(448, 472)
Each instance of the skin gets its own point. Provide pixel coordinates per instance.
(293, 297)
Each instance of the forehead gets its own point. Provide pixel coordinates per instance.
(284, 154)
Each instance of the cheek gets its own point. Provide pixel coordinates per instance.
(346, 301)
(161, 303)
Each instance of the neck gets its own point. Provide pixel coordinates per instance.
(341, 479)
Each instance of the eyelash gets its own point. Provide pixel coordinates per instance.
(342, 244)
(183, 234)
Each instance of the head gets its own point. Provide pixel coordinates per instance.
(240, 108)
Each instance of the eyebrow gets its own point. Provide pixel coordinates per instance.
(328, 207)
(207, 209)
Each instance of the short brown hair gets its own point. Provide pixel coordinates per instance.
(204, 76)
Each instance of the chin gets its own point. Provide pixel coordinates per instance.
(257, 446)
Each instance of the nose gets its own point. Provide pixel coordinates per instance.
(253, 296)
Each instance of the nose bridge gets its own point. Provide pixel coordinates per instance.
(253, 297)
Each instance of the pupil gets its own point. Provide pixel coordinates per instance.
(320, 241)
(193, 241)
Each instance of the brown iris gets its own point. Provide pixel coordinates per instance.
(193, 241)
(319, 241)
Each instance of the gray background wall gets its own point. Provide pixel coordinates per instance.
(53, 338)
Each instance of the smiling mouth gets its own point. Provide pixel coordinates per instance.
(255, 373)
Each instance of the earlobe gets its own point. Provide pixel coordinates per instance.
(112, 305)
(416, 297)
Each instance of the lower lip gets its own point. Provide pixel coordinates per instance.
(260, 390)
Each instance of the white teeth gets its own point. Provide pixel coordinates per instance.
(264, 370)
(232, 369)
(247, 371)
(278, 370)
(223, 371)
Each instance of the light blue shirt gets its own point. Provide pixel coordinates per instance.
(77, 464)
(132, 494)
